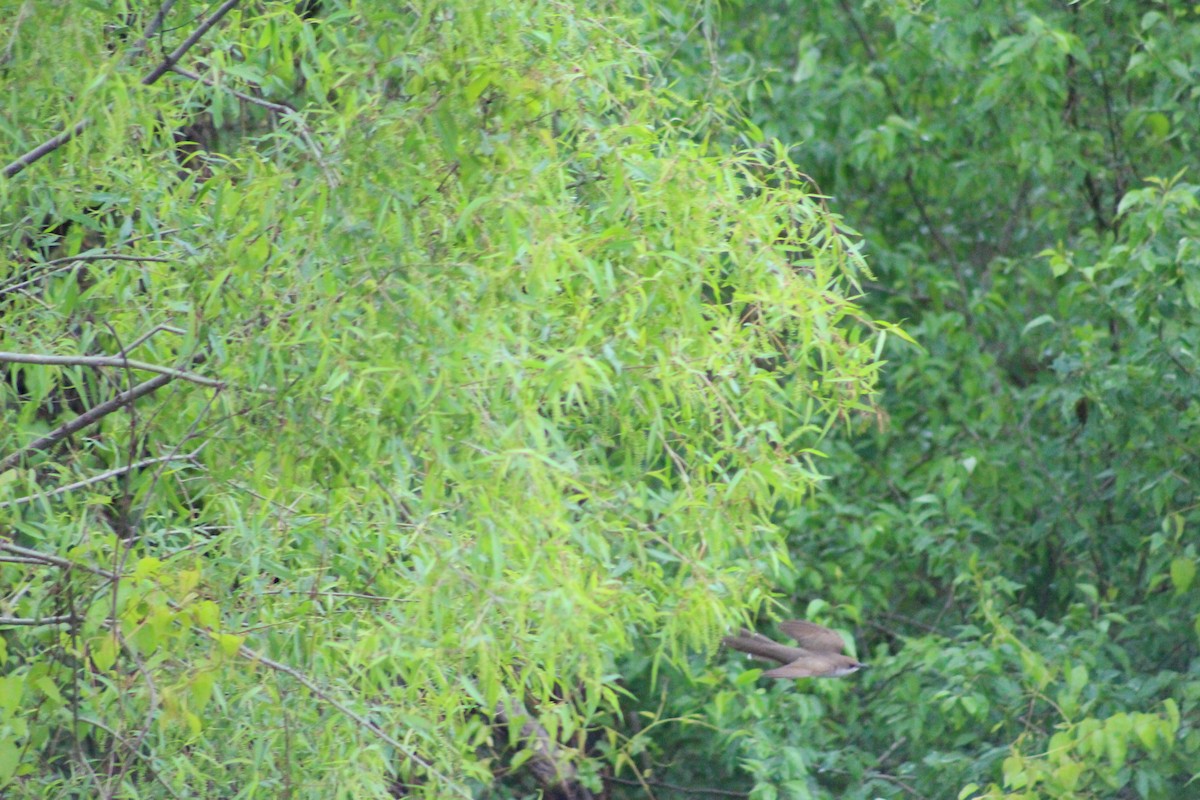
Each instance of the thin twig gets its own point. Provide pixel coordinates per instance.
(138, 342)
(50, 145)
(883, 776)
(873, 774)
(352, 595)
(173, 58)
(151, 707)
(107, 257)
(58, 561)
(151, 29)
(149, 765)
(674, 787)
(366, 724)
(15, 27)
(17, 287)
(286, 111)
(108, 361)
(112, 473)
(31, 278)
(245, 652)
(61, 619)
(278, 108)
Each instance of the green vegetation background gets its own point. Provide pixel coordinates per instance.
(507, 354)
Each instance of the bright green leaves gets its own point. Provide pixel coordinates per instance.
(1090, 757)
(1183, 573)
(520, 368)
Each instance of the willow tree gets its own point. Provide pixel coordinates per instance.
(379, 381)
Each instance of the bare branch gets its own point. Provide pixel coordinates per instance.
(108, 361)
(58, 141)
(125, 743)
(178, 52)
(48, 146)
(28, 273)
(12, 622)
(151, 711)
(57, 561)
(279, 108)
(138, 342)
(107, 257)
(85, 419)
(112, 473)
(152, 28)
(245, 652)
(15, 24)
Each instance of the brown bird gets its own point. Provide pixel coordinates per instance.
(818, 656)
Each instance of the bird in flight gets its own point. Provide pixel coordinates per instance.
(818, 656)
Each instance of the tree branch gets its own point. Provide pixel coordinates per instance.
(50, 145)
(674, 787)
(108, 361)
(12, 622)
(178, 52)
(551, 770)
(57, 561)
(284, 110)
(112, 473)
(85, 419)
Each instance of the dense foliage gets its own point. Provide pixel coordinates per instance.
(490, 360)
(1017, 548)
(378, 379)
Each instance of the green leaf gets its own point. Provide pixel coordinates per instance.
(229, 643)
(10, 758)
(1158, 125)
(104, 651)
(146, 568)
(477, 86)
(1183, 572)
(207, 613)
(12, 688)
(1037, 322)
(50, 689)
(1067, 774)
(201, 687)
(1146, 727)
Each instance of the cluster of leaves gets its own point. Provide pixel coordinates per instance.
(1017, 548)
(475, 372)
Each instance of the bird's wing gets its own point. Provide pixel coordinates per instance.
(761, 647)
(816, 638)
(808, 666)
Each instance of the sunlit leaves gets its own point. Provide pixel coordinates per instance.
(519, 369)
